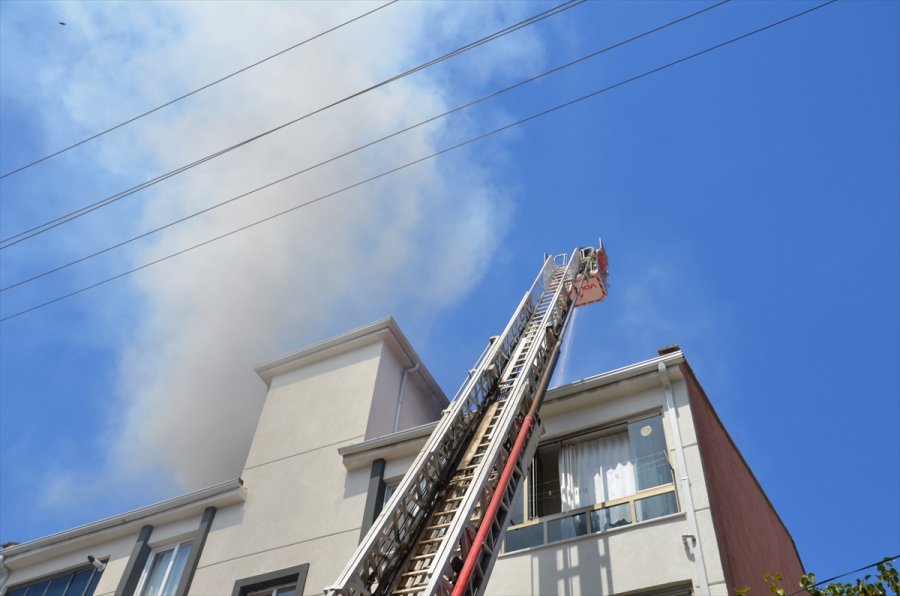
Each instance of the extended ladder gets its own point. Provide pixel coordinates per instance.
(440, 531)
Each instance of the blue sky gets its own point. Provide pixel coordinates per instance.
(748, 199)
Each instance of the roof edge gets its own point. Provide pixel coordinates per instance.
(615, 375)
(607, 378)
(386, 328)
(213, 494)
(402, 436)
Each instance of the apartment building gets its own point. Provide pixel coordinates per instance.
(635, 488)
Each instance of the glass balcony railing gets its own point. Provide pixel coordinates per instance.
(649, 502)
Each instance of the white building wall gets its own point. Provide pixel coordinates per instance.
(418, 403)
(302, 505)
(305, 499)
(629, 558)
(699, 493)
(638, 556)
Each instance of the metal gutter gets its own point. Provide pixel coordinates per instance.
(410, 434)
(225, 493)
(396, 445)
(614, 376)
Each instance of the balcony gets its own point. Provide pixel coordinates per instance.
(647, 503)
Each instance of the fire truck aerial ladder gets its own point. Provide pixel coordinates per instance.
(441, 530)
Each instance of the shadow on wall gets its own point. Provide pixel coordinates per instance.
(580, 567)
(356, 482)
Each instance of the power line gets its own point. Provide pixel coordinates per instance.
(366, 145)
(469, 141)
(198, 90)
(831, 579)
(40, 229)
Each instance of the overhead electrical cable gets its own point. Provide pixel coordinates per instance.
(40, 229)
(365, 146)
(195, 91)
(831, 579)
(469, 141)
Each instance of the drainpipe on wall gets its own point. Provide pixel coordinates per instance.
(406, 372)
(688, 499)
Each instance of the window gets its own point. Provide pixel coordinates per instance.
(164, 570)
(80, 582)
(284, 582)
(389, 489)
(593, 483)
(682, 589)
(289, 589)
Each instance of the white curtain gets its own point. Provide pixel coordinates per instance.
(595, 471)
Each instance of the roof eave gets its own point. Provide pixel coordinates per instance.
(218, 495)
(359, 454)
(385, 329)
(615, 376)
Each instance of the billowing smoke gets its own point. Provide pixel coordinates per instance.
(410, 243)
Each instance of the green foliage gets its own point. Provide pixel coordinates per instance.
(885, 583)
(772, 580)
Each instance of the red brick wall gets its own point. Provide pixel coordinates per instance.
(752, 538)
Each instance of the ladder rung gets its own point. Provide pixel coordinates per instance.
(487, 409)
(437, 527)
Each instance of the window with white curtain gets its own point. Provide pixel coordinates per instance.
(594, 471)
(599, 466)
(603, 479)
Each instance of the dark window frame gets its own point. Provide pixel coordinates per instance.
(374, 497)
(169, 586)
(272, 579)
(92, 580)
(142, 554)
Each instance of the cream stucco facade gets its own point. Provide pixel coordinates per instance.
(342, 421)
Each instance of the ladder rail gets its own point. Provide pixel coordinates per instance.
(422, 562)
(515, 484)
(383, 549)
(519, 397)
(481, 558)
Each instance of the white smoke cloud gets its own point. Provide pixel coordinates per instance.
(189, 398)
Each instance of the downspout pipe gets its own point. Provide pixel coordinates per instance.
(687, 498)
(406, 372)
